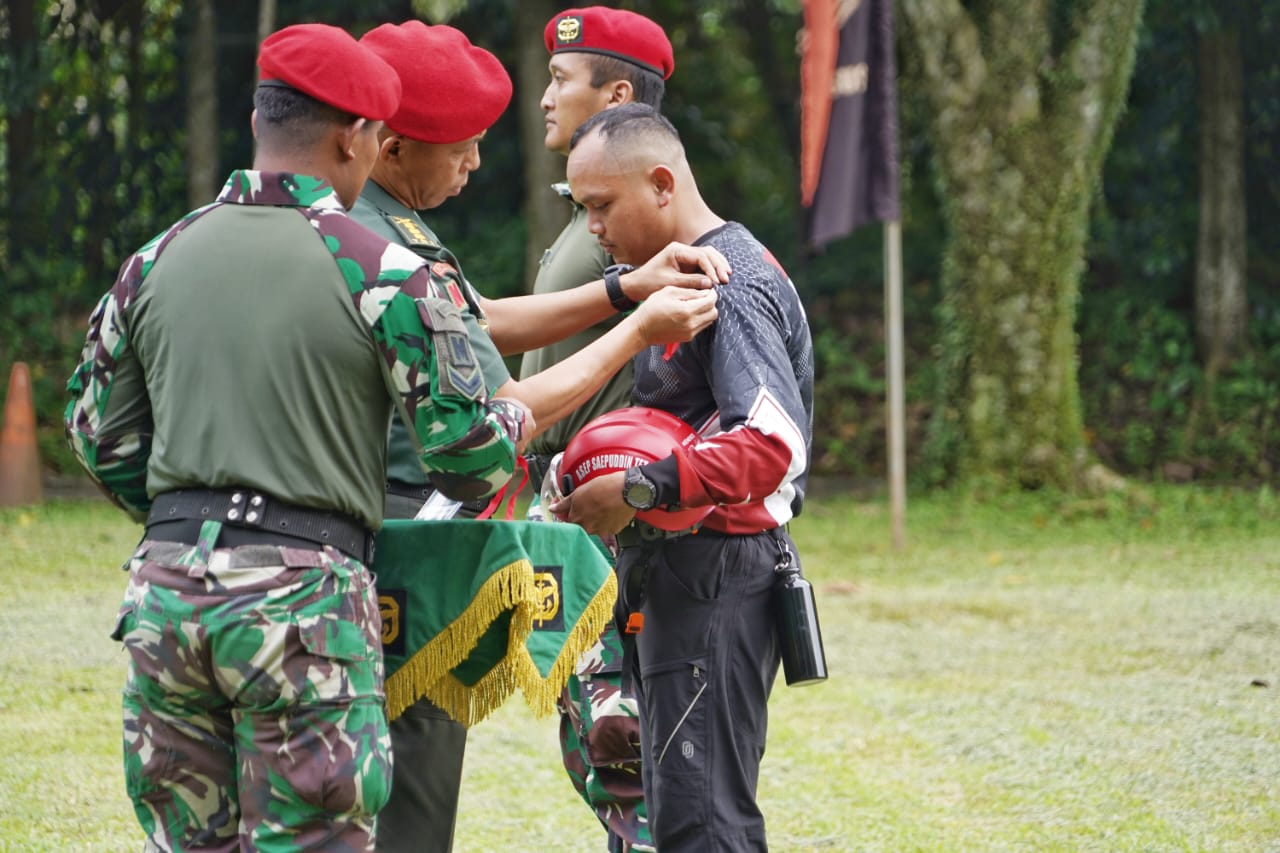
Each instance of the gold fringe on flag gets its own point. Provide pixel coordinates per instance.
(540, 694)
(506, 589)
(548, 575)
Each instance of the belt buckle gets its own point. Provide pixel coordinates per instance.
(649, 533)
(652, 533)
(248, 508)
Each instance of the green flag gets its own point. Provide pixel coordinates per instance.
(474, 610)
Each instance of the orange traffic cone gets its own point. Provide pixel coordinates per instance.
(19, 459)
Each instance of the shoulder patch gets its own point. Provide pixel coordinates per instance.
(413, 234)
(457, 370)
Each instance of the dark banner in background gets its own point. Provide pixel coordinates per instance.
(857, 183)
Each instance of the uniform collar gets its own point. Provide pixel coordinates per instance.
(249, 186)
(385, 201)
(386, 204)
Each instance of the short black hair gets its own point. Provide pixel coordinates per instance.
(647, 86)
(626, 120)
(287, 113)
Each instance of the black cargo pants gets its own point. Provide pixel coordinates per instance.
(704, 664)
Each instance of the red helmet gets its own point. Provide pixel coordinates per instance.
(616, 441)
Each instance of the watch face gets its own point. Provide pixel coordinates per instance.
(638, 492)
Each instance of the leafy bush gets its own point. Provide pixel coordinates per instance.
(1149, 407)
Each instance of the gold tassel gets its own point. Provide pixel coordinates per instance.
(541, 694)
(428, 673)
(505, 589)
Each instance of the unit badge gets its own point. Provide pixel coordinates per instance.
(569, 29)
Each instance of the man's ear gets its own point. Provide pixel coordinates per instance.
(347, 138)
(389, 148)
(620, 92)
(663, 181)
(253, 122)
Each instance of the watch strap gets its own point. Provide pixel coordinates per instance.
(613, 287)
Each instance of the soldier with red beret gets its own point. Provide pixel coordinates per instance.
(600, 58)
(233, 394)
(453, 92)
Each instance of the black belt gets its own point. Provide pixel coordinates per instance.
(416, 491)
(641, 532)
(422, 491)
(255, 518)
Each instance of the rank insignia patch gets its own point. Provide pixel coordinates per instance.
(415, 236)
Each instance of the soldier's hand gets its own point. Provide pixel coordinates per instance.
(675, 315)
(678, 265)
(597, 505)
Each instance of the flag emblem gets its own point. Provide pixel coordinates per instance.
(546, 584)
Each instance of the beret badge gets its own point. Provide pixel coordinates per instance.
(569, 29)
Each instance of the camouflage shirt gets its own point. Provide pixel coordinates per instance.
(219, 358)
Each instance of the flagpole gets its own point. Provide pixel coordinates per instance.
(894, 379)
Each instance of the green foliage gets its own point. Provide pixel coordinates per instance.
(848, 393)
(1150, 408)
(110, 164)
(103, 87)
(33, 330)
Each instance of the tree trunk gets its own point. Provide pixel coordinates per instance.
(1021, 121)
(754, 18)
(266, 19)
(134, 21)
(202, 105)
(545, 212)
(22, 221)
(1221, 303)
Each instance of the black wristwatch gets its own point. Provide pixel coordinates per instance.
(613, 287)
(638, 491)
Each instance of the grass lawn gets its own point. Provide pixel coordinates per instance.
(1031, 673)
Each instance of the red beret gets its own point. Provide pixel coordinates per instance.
(452, 89)
(611, 32)
(329, 65)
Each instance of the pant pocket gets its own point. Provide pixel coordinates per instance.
(676, 704)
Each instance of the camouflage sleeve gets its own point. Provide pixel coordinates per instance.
(467, 443)
(108, 419)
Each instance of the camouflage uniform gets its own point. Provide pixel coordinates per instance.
(253, 663)
(254, 703)
(599, 727)
(600, 743)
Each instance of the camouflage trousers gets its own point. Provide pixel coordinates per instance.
(253, 709)
(600, 727)
(600, 744)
